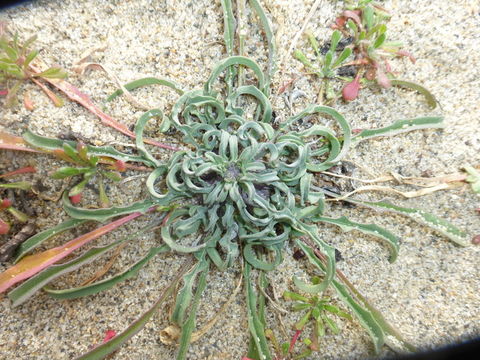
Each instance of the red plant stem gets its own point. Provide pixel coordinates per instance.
(24, 170)
(76, 95)
(58, 102)
(294, 340)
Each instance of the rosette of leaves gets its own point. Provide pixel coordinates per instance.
(251, 184)
(358, 54)
(15, 60)
(317, 310)
(87, 168)
(242, 189)
(329, 62)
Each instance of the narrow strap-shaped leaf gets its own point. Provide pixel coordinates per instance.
(33, 264)
(267, 28)
(108, 283)
(329, 253)
(189, 325)
(103, 350)
(257, 329)
(102, 215)
(401, 126)
(145, 82)
(442, 226)
(431, 101)
(51, 144)
(40, 237)
(231, 61)
(185, 294)
(139, 127)
(371, 229)
(29, 287)
(364, 316)
(252, 259)
(229, 34)
(358, 297)
(12, 142)
(344, 125)
(76, 95)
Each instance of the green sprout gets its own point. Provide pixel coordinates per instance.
(364, 55)
(16, 59)
(318, 310)
(7, 204)
(88, 170)
(327, 64)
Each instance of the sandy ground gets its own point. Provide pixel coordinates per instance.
(430, 293)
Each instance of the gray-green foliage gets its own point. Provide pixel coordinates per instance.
(243, 188)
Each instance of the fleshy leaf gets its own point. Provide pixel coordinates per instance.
(401, 126)
(444, 227)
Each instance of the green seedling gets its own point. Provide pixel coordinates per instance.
(87, 169)
(364, 57)
(7, 204)
(15, 61)
(318, 310)
(327, 64)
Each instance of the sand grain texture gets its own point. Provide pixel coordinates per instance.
(430, 294)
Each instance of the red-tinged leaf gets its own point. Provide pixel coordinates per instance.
(4, 92)
(57, 101)
(6, 203)
(4, 227)
(33, 264)
(109, 334)
(12, 142)
(407, 54)
(27, 102)
(75, 199)
(24, 170)
(354, 15)
(62, 155)
(350, 91)
(294, 340)
(382, 79)
(340, 22)
(120, 165)
(76, 95)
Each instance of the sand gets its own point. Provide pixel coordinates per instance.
(430, 294)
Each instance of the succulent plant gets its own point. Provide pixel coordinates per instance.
(243, 188)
